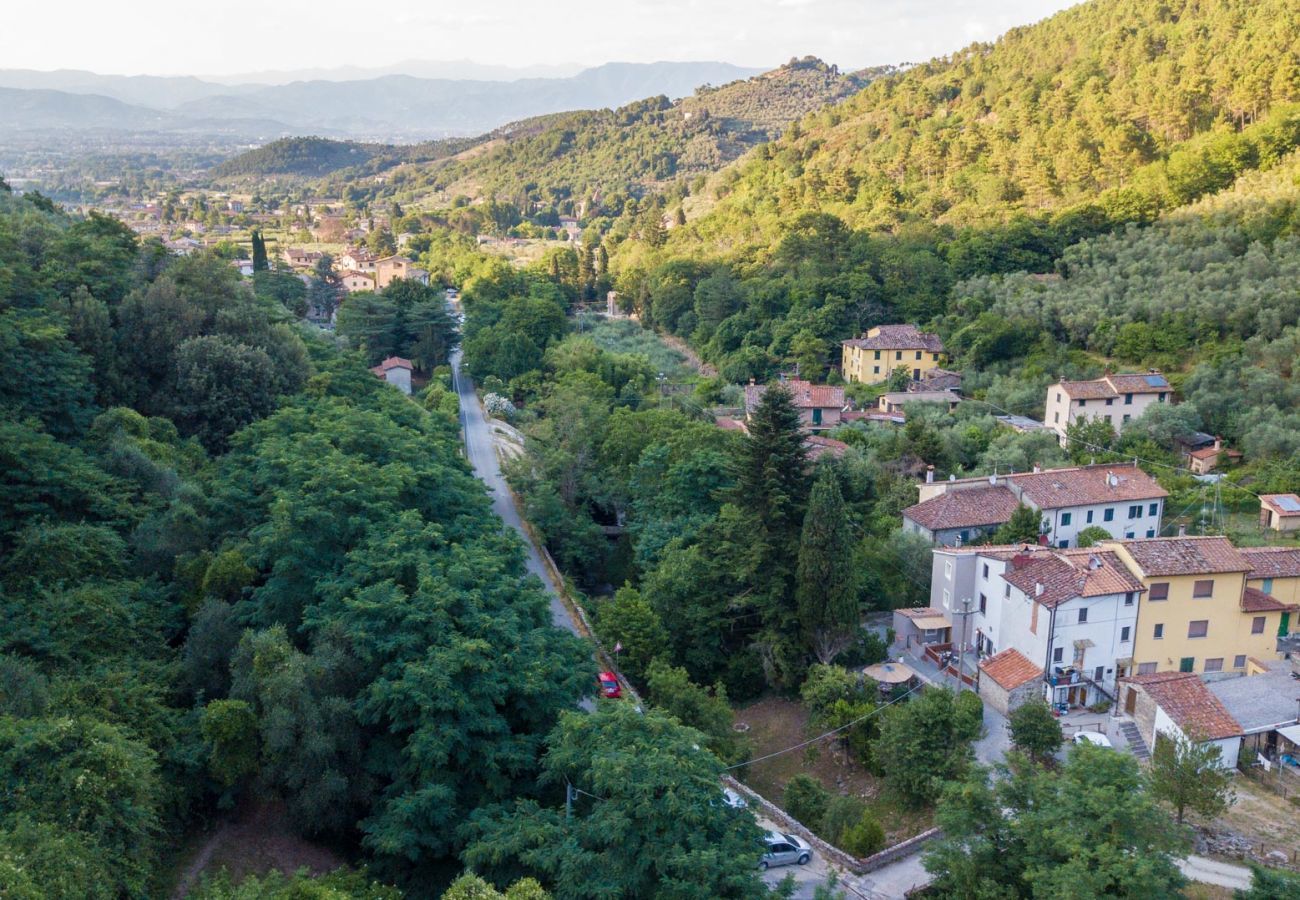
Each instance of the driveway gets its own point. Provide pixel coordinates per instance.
(806, 878)
(483, 458)
(1211, 871)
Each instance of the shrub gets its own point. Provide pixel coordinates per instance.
(806, 799)
(865, 838)
(842, 813)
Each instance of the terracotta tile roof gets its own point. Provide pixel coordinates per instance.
(964, 509)
(727, 423)
(1186, 556)
(1150, 383)
(1088, 486)
(805, 394)
(1115, 385)
(819, 446)
(1103, 571)
(393, 362)
(1272, 562)
(1010, 669)
(1060, 581)
(897, 337)
(1086, 390)
(1191, 705)
(1253, 600)
(1283, 504)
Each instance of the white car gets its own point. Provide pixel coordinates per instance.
(734, 800)
(784, 850)
(1092, 737)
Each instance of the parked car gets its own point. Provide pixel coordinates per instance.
(734, 800)
(609, 685)
(784, 850)
(1092, 737)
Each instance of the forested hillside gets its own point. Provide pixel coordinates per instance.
(993, 161)
(313, 157)
(1067, 112)
(239, 569)
(575, 161)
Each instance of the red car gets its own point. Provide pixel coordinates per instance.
(609, 685)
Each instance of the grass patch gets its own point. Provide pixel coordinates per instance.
(626, 336)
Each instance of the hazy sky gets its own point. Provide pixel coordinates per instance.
(170, 37)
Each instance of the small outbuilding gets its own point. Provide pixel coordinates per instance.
(1008, 679)
(397, 372)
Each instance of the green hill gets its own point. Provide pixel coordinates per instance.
(591, 154)
(994, 160)
(1053, 115)
(315, 157)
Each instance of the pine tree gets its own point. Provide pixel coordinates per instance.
(260, 262)
(771, 474)
(826, 588)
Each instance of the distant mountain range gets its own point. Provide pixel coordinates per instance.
(394, 107)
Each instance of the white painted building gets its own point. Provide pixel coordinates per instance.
(1071, 612)
(1115, 399)
(1121, 499)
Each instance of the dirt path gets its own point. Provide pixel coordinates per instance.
(692, 358)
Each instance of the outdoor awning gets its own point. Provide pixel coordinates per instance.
(1291, 733)
(931, 623)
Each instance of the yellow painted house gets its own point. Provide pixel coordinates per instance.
(1276, 574)
(871, 358)
(1198, 612)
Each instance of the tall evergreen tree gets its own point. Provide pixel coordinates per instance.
(771, 472)
(260, 262)
(826, 586)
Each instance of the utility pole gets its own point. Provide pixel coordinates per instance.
(965, 616)
(568, 801)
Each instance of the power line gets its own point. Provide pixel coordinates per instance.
(819, 737)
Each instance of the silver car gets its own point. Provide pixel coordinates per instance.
(784, 850)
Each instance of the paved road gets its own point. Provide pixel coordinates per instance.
(482, 456)
(1211, 871)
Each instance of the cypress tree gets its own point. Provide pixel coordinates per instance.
(826, 588)
(260, 263)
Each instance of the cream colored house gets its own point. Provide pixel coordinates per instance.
(871, 358)
(1113, 398)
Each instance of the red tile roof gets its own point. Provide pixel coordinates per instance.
(1065, 575)
(1010, 669)
(1088, 486)
(964, 509)
(1253, 600)
(1272, 562)
(805, 394)
(819, 446)
(393, 362)
(1186, 556)
(897, 337)
(1114, 385)
(1190, 704)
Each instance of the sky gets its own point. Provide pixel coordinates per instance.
(164, 37)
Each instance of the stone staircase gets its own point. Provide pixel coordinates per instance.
(1136, 745)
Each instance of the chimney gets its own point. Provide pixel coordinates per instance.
(1218, 443)
(1038, 589)
(751, 380)
(1038, 468)
(929, 474)
(1182, 530)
